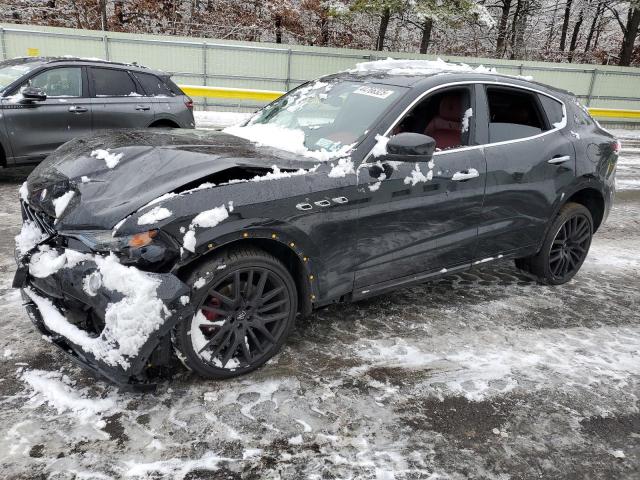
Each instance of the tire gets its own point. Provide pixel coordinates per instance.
(565, 247)
(246, 302)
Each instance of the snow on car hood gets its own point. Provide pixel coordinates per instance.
(116, 173)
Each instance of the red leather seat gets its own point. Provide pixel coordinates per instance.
(446, 127)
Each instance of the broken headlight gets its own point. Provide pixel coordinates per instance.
(149, 249)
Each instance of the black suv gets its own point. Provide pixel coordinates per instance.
(45, 102)
(208, 244)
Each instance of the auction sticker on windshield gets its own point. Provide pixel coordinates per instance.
(376, 92)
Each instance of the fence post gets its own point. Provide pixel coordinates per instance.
(594, 74)
(105, 41)
(205, 70)
(287, 82)
(3, 45)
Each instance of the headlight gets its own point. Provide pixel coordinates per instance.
(103, 240)
(151, 249)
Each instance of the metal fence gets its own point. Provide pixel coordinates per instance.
(280, 67)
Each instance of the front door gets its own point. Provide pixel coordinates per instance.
(38, 128)
(117, 100)
(529, 160)
(422, 217)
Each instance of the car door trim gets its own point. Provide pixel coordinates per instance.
(557, 127)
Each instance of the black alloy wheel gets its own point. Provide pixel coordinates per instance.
(570, 246)
(565, 246)
(243, 315)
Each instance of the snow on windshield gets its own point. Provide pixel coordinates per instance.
(323, 120)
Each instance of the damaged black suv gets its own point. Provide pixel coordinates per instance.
(139, 245)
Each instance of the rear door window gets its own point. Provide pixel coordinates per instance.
(513, 114)
(153, 85)
(108, 82)
(59, 82)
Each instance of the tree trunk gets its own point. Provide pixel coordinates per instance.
(324, 31)
(427, 26)
(552, 26)
(574, 36)
(629, 37)
(103, 15)
(594, 24)
(565, 25)
(502, 27)
(514, 30)
(382, 32)
(278, 21)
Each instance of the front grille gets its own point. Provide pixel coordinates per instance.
(44, 221)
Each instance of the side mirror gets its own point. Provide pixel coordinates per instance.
(410, 147)
(33, 94)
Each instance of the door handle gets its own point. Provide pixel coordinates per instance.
(143, 107)
(558, 160)
(77, 109)
(465, 175)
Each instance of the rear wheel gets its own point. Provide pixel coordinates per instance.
(244, 313)
(565, 247)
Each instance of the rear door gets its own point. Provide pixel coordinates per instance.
(118, 101)
(37, 128)
(423, 216)
(168, 104)
(530, 159)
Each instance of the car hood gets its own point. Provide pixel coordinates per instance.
(140, 167)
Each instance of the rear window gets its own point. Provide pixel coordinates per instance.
(175, 89)
(152, 85)
(108, 82)
(513, 114)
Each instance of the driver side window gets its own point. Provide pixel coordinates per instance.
(59, 82)
(444, 115)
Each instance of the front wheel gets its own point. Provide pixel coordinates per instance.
(246, 303)
(565, 247)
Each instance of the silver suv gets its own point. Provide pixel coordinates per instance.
(45, 102)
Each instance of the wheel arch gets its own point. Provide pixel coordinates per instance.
(164, 122)
(593, 200)
(293, 260)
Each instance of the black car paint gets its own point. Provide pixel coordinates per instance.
(377, 240)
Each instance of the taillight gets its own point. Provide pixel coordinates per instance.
(188, 103)
(617, 146)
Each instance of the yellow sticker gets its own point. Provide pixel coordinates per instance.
(33, 52)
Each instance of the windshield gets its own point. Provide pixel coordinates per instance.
(11, 71)
(320, 119)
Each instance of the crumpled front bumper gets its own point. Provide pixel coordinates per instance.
(64, 289)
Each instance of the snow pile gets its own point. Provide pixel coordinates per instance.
(343, 168)
(56, 390)
(154, 215)
(128, 322)
(288, 139)
(417, 67)
(417, 176)
(380, 148)
(30, 235)
(47, 261)
(175, 468)
(465, 119)
(213, 120)
(60, 203)
(111, 159)
(24, 192)
(206, 219)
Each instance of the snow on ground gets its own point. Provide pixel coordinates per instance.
(217, 120)
(480, 375)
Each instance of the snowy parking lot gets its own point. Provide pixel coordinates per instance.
(484, 374)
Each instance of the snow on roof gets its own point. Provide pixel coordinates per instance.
(417, 67)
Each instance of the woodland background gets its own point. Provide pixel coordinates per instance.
(580, 31)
